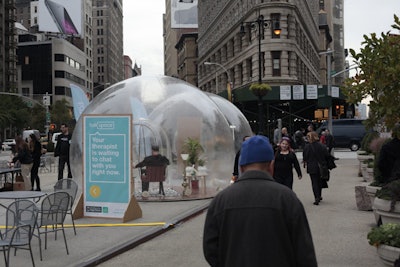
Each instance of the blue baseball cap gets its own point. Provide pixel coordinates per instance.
(256, 149)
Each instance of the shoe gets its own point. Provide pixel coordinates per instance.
(320, 198)
(316, 203)
(38, 189)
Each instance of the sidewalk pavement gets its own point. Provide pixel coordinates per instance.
(339, 230)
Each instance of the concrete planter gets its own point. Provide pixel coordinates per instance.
(361, 158)
(388, 254)
(371, 191)
(369, 175)
(382, 208)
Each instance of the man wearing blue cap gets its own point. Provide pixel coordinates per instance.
(257, 221)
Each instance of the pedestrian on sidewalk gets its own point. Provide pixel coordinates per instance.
(315, 153)
(36, 151)
(62, 151)
(24, 157)
(236, 166)
(389, 157)
(257, 221)
(284, 162)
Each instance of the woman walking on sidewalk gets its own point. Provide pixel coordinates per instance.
(315, 152)
(24, 157)
(36, 150)
(285, 160)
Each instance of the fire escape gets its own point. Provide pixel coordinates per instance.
(10, 48)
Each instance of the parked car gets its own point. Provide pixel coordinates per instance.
(27, 133)
(8, 144)
(347, 133)
(54, 138)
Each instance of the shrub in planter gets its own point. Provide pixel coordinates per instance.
(376, 148)
(390, 191)
(366, 141)
(386, 234)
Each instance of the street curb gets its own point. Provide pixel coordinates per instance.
(103, 256)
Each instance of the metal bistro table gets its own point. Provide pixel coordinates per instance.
(14, 195)
(4, 172)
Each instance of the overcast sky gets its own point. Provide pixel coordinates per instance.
(143, 40)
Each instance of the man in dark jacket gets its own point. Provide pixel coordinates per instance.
(155, 159)
(62, 151)
(257, 221)
(389, 157)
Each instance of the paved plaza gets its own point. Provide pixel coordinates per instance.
(339, 230)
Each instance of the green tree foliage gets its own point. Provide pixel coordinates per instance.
(38, 118)
(379, 61)
(61, 113)
(14, 113)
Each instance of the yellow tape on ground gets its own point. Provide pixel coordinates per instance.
(109, 224)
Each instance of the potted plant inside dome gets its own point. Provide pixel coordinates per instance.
(386, 238)
(193, 148)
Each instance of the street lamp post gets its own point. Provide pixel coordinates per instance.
(261, 25)
(226, 71)
(328, 54)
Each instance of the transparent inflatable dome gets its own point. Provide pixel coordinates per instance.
(166, 112)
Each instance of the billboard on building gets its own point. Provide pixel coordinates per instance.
(63, 16)
(184, 13)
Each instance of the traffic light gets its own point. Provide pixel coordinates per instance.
(341, 109)
(337, 110)
(52, 127)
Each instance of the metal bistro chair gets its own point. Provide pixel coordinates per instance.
(51, 217)
(71, 187)
(21, 216)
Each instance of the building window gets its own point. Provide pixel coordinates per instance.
(276, 24)
(59, 74)
(276, 63)
(249, 67)
(59, 90)
(25, 91)
(59, 57)
(26, 61)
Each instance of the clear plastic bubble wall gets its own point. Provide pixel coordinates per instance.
(167, 111)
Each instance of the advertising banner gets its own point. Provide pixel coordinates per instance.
(63, 16)
(184, 14)
(107, 170)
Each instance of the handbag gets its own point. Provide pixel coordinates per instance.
(323, 167)
(18, 177)
(324, 171)
(331, 162)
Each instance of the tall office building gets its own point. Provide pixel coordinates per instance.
(180, 19)
(226, 37)
(108, 57)
(331, 14)
(8, 73)
(37, 17)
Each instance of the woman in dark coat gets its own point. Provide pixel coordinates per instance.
(24, 157)
(36, 150)
(285, 160)
(313, 153)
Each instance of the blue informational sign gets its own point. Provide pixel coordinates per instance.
(107, 170)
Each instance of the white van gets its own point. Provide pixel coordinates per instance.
(27, 133)
(54, 138)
